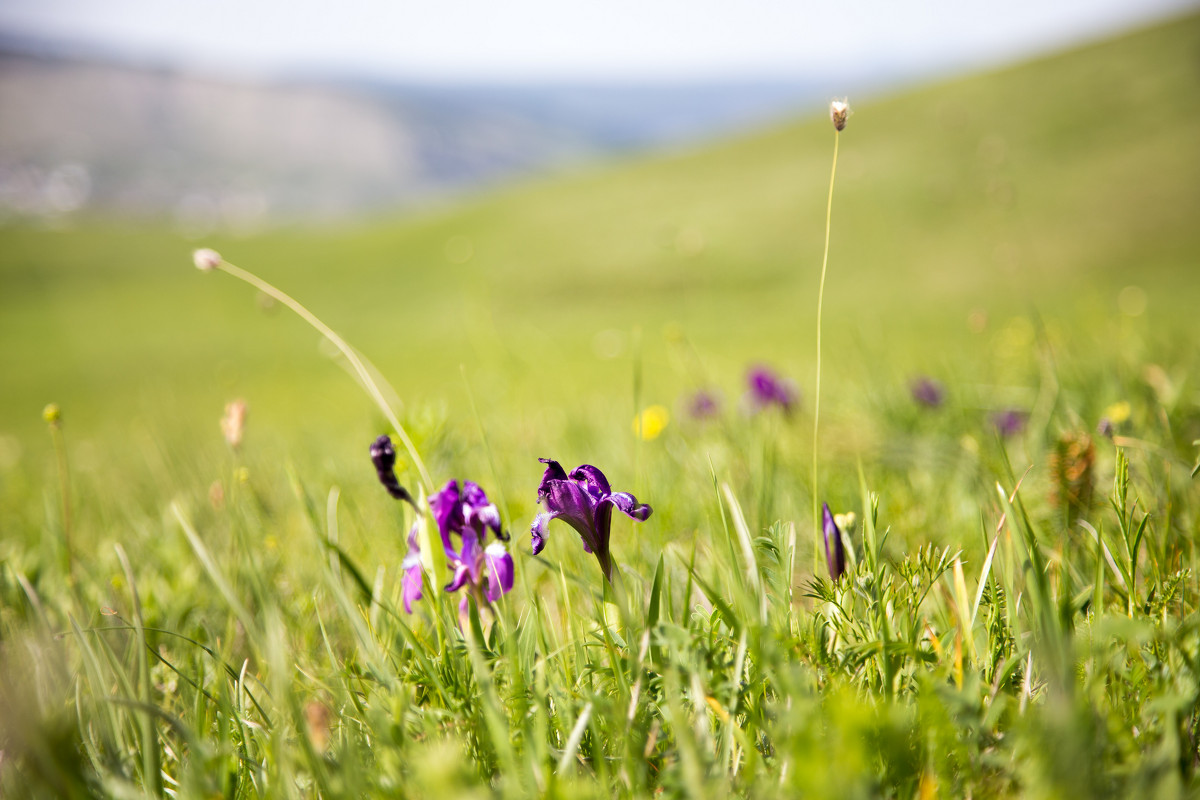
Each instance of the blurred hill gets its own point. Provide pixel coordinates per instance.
(224, 155)
(1065, 190)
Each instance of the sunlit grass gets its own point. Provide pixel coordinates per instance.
(1019, 615)
(246, 637)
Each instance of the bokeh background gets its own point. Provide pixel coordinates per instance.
(569, 214)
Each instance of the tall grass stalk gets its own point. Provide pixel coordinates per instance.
(53, 418)
(357, 362)
(816, 499)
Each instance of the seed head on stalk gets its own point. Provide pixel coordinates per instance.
(839, 112)
(208, 260)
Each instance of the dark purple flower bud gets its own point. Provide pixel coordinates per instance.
(767, 389)
(410, 590)
(383, 456)
(703, 405)
(835, 552)
(1009, 422)
(584, 501)
(469, 515)
(927, 392)
(1105, 428)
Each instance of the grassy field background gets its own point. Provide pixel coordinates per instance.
(1044, 188)
(1028, 237)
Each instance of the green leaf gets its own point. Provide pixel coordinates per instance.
(655, 595)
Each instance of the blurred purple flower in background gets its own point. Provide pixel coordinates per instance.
(485, 569)
(767, 389)
(584, 501)
(704, 404)
(1008, 422)
(927, 392)
(835, 551)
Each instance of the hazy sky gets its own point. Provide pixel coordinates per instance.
(504, 40)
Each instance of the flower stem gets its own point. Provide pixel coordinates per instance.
(64, 490)
(816, 500)
(356, 361)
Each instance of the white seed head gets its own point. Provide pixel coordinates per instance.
(839, 110)
(206, 259)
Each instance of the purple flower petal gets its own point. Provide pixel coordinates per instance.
(410, 586)
(592, 480)
(570, 502)
(410, 590)
(489, 517)
(461, 575)
(472, 555)
(554, 472)
(500, 571)
(628, 504)
(447, 513)
(835, 553)
(538, 530)
(479, 512)
(473, 495)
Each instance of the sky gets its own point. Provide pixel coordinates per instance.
(566, 40)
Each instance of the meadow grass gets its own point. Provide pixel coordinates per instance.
(1019, 616)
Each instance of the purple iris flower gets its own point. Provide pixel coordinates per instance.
(767, 389)
(584, 501)
(485, 569)
(410, 587)
(927, 392)
(835, 552)
(1009, 422)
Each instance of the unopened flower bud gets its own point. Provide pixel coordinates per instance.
(383, 456)
(835, 551)
(233, 424)
(206, 259)
(317, 715)
(839, 110)
(52, 414)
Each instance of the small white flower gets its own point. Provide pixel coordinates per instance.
(206, 259)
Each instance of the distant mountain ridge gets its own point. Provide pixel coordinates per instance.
(219, 154)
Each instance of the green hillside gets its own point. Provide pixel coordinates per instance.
(1008, 609)
(1044, 188)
